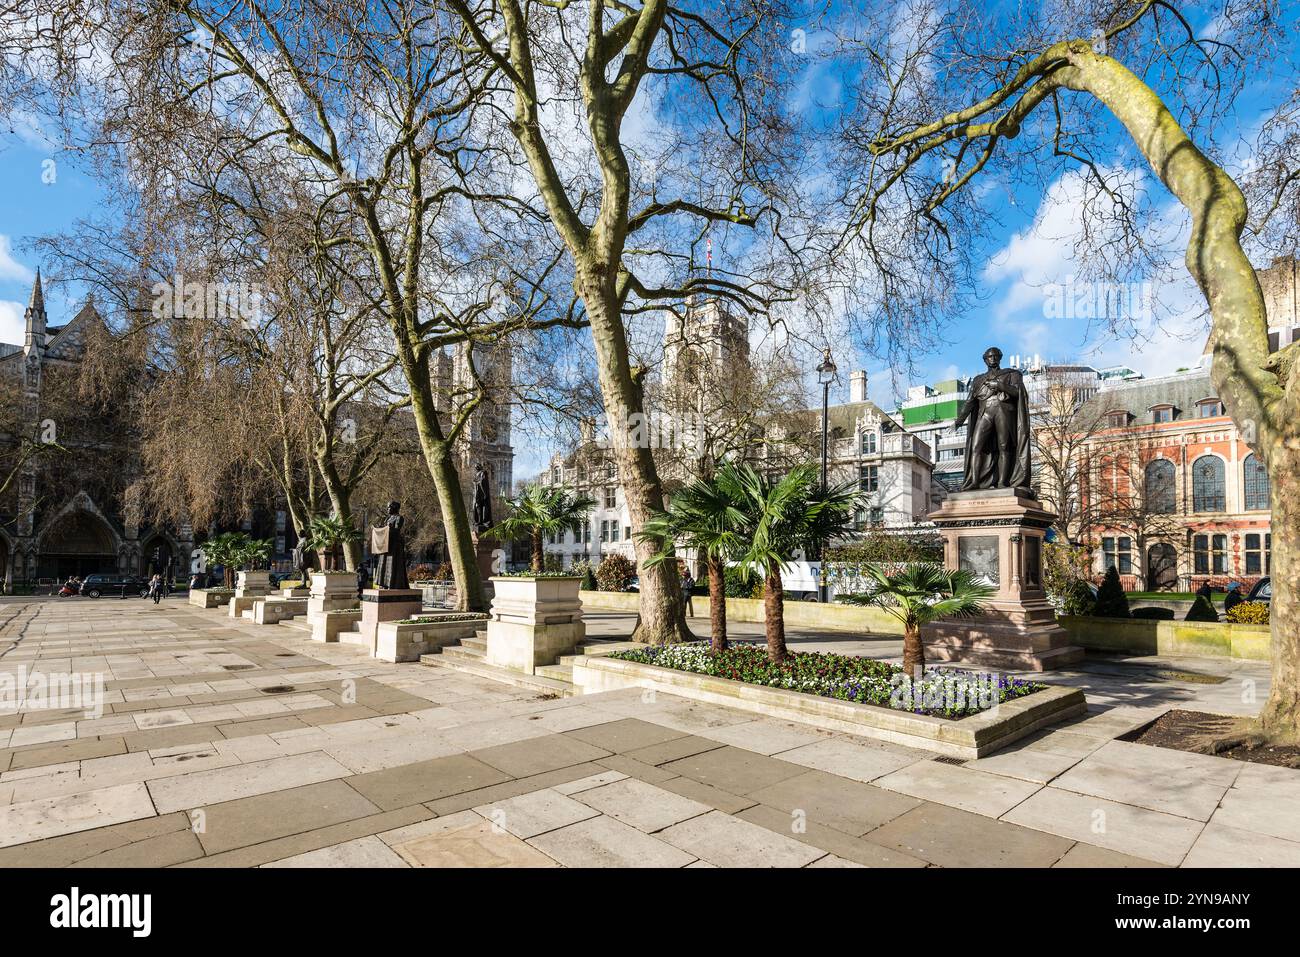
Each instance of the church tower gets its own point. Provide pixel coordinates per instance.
(35, 317)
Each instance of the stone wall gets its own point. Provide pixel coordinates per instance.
(1196, 638)
(798, 614)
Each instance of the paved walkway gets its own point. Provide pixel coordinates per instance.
(241, 745)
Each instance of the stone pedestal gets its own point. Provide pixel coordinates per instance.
(485, 556)
(331, 591)
(998, 533)
(252, 584)
(386, 604)
(533, 621)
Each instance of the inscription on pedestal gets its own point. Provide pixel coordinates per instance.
(978, 554)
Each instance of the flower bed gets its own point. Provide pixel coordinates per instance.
(947, 693)
(438, 619)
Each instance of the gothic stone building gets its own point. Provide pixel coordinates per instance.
(61, 520)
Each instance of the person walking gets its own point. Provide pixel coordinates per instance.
(156, 588)
(688, 588)
(1233, 598)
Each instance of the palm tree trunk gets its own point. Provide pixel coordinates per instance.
(913, 649)
(774, 616)
(717, 605)
(539, 554)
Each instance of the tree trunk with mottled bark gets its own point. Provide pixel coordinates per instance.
(774, 616)
(717, 604)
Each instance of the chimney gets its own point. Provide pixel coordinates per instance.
(858, 385)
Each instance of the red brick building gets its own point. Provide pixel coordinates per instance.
(1171, 493)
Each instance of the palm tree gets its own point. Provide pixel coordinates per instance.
(224, 550)
(326, 535)
(706, 516)
(784, 517)
(253, 553)
(921, 593)
(541, 510)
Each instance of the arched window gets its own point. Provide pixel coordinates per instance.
(1207, 484)
(1256, 476)
(1160, 487)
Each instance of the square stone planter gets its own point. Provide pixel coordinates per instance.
(407, 642)
(328, 625)
(534, 621)
(203, 598)
(331, 591)
(252, 584)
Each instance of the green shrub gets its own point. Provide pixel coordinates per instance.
(1249, 613)
(1201, 610)
(1078, 599)
(1111, 600)
(1152, 613)
(740, 582)
(615, 572)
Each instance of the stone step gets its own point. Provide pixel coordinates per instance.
(466, 652)
(297, 624)
(559, 672)
(475, 666)
(476, 642)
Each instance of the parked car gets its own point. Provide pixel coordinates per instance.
(1263, 591)
(96, 585)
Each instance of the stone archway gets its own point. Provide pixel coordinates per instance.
(78, 541)
(1162, 567)
(159, 554)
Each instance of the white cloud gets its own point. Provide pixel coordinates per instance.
(12, 325)
(10, 268)
(1040, 263)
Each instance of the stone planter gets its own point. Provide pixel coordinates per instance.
(534, 621)
(203, 598)
(252, 584)
(971, 737)
(328, 625)
(407, 642)
(274, 609)
(331, 591)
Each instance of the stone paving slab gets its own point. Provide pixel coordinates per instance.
(366, 763)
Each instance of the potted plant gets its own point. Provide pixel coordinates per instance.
(326, 536)
(225, 550)
(540, 510)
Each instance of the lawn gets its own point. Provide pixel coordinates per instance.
(946, 693)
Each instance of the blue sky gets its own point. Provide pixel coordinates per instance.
(1031, 250)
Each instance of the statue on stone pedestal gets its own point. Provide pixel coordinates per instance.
(299, 554)
(389, 550)
(997, 435)
(482, 500)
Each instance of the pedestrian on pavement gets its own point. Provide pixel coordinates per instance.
(688, 588)
(156, 588)
(1233, 598)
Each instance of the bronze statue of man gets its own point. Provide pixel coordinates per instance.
(390, 558)
(996, 415)
(482, 499)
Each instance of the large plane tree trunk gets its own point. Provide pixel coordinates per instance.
(1263, 402)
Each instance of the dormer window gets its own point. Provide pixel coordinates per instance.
(1117, 419)
(1162, 413)
(1209, 408)
(869, 443)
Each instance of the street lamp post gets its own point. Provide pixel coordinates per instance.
(825, 375)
